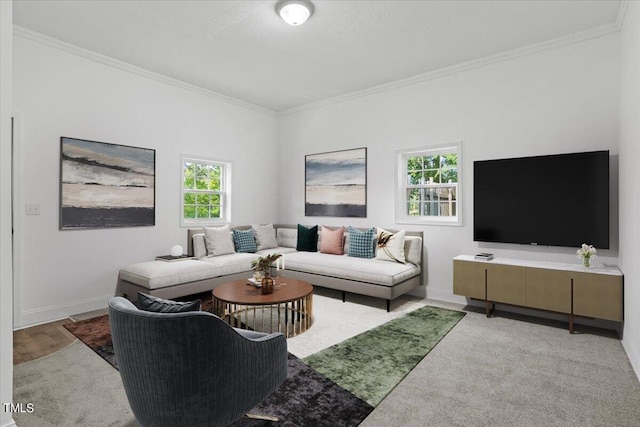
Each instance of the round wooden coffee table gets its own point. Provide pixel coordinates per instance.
(289, 309)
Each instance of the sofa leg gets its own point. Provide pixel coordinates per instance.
(388, 305)
(344, 296)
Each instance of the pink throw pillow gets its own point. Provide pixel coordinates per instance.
(331, 241)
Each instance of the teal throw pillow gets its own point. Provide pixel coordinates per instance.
(307, 239)
(361, 242)
(244, 241)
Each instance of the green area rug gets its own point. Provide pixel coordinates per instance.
(371, 364)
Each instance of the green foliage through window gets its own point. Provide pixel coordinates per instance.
(203, 190)
(431, 184)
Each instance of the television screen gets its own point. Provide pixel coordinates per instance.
(556, 200)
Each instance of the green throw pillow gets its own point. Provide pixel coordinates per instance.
(307, 239)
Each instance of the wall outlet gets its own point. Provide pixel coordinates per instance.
(32, 209)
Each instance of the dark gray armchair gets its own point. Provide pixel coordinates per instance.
(192, 369)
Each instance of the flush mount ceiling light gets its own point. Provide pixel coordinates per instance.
(294, 12)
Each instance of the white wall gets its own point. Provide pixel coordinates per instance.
(57, 93)
(557, 101)
(6, 269)
(629, 178)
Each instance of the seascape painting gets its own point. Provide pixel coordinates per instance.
(336, 183)
(105, 185)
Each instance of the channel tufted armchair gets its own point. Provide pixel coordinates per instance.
(192, 369)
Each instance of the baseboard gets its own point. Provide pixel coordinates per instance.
(447, 296)
(442, 295)
(633, 353)
(49, 314)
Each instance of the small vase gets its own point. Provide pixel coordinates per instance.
(267, 284)
(586, 261)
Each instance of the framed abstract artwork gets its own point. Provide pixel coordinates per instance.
(336, 183)
(106, 185)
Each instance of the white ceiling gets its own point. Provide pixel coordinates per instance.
(243, 50)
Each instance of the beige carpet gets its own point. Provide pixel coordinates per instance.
(500, 371)
(72, 387)
(508, 372)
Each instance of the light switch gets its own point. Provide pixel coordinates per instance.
(32, 209)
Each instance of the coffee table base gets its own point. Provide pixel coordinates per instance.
(290, 318)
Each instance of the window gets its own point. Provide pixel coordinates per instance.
(206, 188)
(428, 187)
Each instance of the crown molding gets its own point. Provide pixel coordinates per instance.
(594, 33)
(597, 32)
(23, 32)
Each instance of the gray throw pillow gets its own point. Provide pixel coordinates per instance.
(219, 240)
(265, 236)
(159, 305)
(199, 246)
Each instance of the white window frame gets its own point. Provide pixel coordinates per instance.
(402, 186)
(225, 191)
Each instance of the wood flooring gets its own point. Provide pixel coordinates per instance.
(41, 340)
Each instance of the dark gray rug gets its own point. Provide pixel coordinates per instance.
(306, 398)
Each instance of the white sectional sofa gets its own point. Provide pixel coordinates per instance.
(372, 277)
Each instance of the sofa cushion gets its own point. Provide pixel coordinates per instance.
(361, 243)
(219, 240)
(159, 305)
(199, 246)
(279, 250)
(307, 238)
(332, 240)
(413, 249)
(390, 246)
(231, 263)
(346, 267)
(160, 274)
(244, 241)
(287, 237)
(265, 236)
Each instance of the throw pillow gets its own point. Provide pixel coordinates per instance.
(331, 242)
(265, 236)
(199, 246)
(307, 239)
(391, 246)
(219, 240)
(361, 242)
(159, 305)
(245, 241)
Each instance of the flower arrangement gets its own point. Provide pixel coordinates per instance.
(264, 263)
(586, 252)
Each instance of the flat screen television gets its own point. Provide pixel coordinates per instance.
(555, 200)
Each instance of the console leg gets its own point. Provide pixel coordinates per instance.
(571, 323)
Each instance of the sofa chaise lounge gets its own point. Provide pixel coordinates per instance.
(348, 274)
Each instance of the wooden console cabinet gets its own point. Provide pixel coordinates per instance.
(562, 288)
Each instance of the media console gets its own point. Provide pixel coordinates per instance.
(573, 290)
